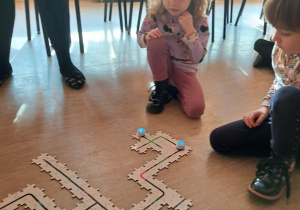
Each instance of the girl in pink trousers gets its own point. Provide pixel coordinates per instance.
(175, 33)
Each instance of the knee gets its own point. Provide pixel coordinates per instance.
(259, 44)
(216, 141)
(286, 99)
(195, 110)
(213, 138)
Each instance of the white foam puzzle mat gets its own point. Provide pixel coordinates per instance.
(160, 195)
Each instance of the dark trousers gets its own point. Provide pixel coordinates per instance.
(279, 133)
(56, 21)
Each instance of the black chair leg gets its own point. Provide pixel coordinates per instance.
(37, 20)
(139, 17)
(130, 16)
(125, 14)
(226, 2)
(231, 11)
(27, 20)
(110, 9)
(240, 12)
(77, 7)
(105, 10)
(265, 28)
(262, 9)
(120, 14)
(213, 21)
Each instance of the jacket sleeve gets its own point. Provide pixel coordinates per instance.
(148, 25)
(270, 94)
(197, 42)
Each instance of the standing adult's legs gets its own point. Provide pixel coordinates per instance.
(56, 20)
(7, 17)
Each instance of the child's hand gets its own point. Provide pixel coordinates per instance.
(153, 34)
(256, 117)
(186, 22)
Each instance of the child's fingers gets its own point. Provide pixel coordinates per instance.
(246, 121)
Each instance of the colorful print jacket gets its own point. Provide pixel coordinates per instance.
(287, 72)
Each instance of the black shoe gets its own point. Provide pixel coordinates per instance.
(158, 98)
(6, 75)
(272, 178)
(75, 80)
(157, 102)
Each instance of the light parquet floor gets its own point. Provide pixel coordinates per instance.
(90, 129)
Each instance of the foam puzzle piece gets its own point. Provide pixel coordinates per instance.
(80, 188)
(30, 197)
(160, 195)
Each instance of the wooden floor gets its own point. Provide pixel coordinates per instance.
(90, 129)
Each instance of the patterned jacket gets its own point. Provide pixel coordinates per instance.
(185, 52)
(287, 72)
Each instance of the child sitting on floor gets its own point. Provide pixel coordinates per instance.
(275, 126)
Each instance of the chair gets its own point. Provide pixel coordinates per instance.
(120, 12)
(46, 38)
(261, 15)
(226, 16)
(139, 15)
(211, 8)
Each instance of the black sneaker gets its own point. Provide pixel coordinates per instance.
(272, 178)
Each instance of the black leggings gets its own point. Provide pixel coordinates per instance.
(56, 21)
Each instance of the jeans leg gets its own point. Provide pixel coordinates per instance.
(285, 113)
(7, 18)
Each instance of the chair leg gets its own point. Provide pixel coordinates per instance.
(125, 14)
(105, 10)
(130, 16)
(207, 12)
(213, 21)
(231, 11)
(110, 9)
(37, 20)
(77, 7)
(120, 14)
(139, 17)
(226, 2)
(27, 19)
(262, 9)
(265, 28)
(240, 12)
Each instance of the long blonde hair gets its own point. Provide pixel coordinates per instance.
(196, 8)
(284, 14)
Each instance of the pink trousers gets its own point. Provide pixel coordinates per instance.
(190, 92)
